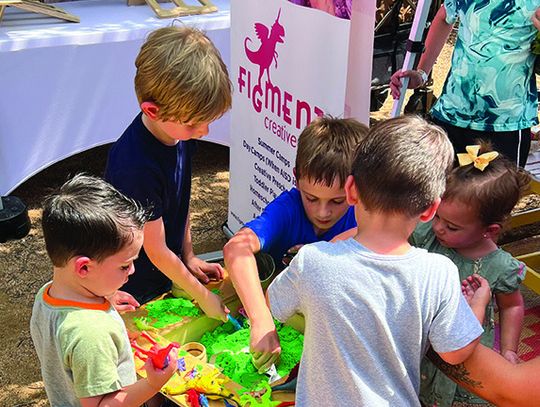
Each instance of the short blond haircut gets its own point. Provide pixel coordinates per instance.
(326, 149)
(181, 71)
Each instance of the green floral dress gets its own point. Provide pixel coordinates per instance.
(504, 274)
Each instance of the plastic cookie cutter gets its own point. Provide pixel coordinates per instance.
(158, 355)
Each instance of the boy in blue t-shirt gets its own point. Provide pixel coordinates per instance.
(315, 210)
(182, 86)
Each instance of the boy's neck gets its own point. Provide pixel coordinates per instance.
(64, 287)
(157, 132)
(384, 233)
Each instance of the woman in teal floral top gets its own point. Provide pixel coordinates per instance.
(490, 92)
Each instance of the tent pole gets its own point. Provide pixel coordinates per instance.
(415, 36)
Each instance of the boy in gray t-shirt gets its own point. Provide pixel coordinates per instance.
(373, 302)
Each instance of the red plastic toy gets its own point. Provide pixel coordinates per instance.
(159, 356)
(193, 398)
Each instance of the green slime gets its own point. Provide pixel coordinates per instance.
(232, 353)
(166, 312)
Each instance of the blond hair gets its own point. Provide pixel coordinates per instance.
(401, 165)
(326, 148)
(181, 71)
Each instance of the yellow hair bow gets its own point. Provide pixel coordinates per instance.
(472, 157)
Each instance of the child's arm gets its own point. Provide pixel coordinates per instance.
(536, 19)
(123, 301)
(242, 268)
(458, 356)
(140, 391)
(511, 310)
(170, 264)
(477, 293)
(199, 268)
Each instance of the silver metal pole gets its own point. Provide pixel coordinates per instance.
(416, 34)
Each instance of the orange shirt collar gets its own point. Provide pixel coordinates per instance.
(57, 302)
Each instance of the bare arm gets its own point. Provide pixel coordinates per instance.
(242, 268)
(477, 293)
(511, 310)
(199, 268)
(137, 393)
(171, 265)
(134, 395)
(492, 377)
(435, 40)
(460, 355)
(536, 19)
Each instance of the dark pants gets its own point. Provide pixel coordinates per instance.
(514, 145)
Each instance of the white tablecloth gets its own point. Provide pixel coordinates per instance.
(67, 87)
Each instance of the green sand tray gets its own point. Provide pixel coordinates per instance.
(177, 319)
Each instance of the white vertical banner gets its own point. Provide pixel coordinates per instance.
(357, 96)
(288, 65)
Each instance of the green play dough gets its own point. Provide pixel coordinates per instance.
(232, 353)
(166, 312)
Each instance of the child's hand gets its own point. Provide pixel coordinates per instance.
(536, 19)
(123, 301)
(158, 377)
(286, 260)
(476, 291)
(203, 271)
(264, 346)
(213, 306)
(415, 80)
(511, 356)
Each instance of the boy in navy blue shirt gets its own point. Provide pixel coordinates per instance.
(182, 86)
(316, 210)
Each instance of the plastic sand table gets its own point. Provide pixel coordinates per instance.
(231, 350)
(166, 312)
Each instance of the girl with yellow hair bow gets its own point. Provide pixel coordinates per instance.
(479, 197)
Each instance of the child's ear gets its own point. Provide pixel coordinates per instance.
(430, 212)
(351, 191)
(81, 266)
(493, 231)
(150, 109)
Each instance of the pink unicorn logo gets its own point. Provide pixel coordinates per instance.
(267, 51)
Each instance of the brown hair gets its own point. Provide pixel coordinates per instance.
(401, 165)
(326, 148)
(494, 192)
(181, 71)
(89, 217)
